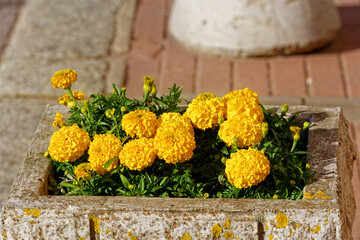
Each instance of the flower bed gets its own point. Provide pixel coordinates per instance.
(229, 147)
(326, 210)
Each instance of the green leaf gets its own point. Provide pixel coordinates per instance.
(124, 181)
(116, 89)
(68, 185)
(109, 162)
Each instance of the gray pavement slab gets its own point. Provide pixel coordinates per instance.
(8, 15)
(27, 77)
(64, 28)
(19, 118)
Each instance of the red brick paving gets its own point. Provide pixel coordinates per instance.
(325, 69)
(351, 65)
(178, 67)
(288, 76)
(211, 71)
(252, 74)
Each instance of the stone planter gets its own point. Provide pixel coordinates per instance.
(241, 28)
(328, 213)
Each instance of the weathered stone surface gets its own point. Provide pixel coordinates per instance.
(30, 210)
(19, 119)
(7, 18)
(253, 28)
(27, 77)
(64, 28)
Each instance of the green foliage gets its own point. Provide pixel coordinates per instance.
(203, 175)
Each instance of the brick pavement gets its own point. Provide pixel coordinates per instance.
(137, 43)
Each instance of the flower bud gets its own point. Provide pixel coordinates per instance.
(206, 195)
(292, 182)
(123, 109)
(308, 166)
(46, 154)
(306, 125)
(153, 90)
(275, 196)
(284, 108)
(148, 83)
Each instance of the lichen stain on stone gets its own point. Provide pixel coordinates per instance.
(216, 230)
(271, 237)
(96, 223)
(318, 194)
(281, 220)
(186, 236)
(315, 230)
(227, 224)
(35, 212)
(229, 235)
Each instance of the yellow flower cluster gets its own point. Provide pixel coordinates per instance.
(64, 78)
(247, 167)
(68, 144)
(244, 117)
(206, 111)
(140, 123)
(64, 100)
(242, 93)
(243, 133)
(103, 148)
(244, 108)
(58, 121)
(138, 154)
(83, 171)
(174, 141)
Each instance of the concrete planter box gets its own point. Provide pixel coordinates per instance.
(30, 213)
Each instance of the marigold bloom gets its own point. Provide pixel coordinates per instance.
(247, 167)
(83, 171)
(242, 93)
(103, 148)
(173, 143)
(138, 154)
(245, 131)
(58, 121)
(140, 123)
(176, 119)
(68, 144)
(64, 100)
(64, 78)
(244, 108)
(206, 111)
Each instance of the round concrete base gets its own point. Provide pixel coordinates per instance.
(242, 28)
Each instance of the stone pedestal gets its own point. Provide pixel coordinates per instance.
(327, 212)
(241, 28)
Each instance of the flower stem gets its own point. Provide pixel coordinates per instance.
(69, 92)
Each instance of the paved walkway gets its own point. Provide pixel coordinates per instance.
(120, 41)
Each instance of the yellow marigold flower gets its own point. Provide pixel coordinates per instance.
(58, 121)
(64, 100)
(140, 123)
(246, 132)
(177, 120)
(244, 93)
(68, 144)
(206, 111)
(64, 78)
(244, 108)
(103, 148)
(173, 143)
(83, 171)
(138, 154)
(247, 167)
